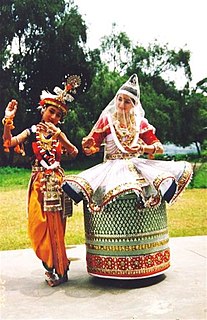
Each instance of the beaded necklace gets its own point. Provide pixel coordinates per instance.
(124, 126)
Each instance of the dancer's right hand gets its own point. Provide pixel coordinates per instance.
(88, 142)
(11, 109)
(89, 146)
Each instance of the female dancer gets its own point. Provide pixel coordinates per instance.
(46, 222)
(127, 135)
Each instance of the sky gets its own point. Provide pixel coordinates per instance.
(178, 23)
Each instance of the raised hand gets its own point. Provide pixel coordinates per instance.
(11, 109)
(47, 128)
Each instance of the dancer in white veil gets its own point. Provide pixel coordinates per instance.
(127, 135)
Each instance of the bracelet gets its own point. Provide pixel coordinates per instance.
(17, 141)
(154, 150)
(8, 122)
(141, 149)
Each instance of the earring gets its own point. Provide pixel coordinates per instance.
(43, 110)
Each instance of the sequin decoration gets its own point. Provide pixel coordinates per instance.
(125, 242)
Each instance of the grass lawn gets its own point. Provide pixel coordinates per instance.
(187, 217)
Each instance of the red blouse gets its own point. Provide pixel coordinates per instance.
(102, 129)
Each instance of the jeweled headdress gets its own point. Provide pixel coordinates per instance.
(62, 97)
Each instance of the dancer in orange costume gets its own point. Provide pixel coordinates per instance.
(46, 222)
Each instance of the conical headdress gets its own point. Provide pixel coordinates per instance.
(131, 88)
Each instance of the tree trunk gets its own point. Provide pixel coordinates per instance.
(198, 148)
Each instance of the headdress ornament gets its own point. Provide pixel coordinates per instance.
(63, 97)
(131, 88)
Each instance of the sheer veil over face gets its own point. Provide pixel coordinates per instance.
(124, 114)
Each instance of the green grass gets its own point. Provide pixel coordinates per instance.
(187, 217)
(14, 178)
(13, 222)
(200, 176)
(18, 178)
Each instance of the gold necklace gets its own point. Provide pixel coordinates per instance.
(45, 143)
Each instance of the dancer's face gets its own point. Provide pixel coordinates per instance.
(52, 114)
(124, 103)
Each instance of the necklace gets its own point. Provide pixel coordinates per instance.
(124, 124)
(47, 147)
(126, 139)
(46, 143)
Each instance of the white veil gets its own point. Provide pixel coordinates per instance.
(132, 119)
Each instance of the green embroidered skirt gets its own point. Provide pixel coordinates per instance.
(126, 242)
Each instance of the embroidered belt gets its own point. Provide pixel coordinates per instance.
(37, 169)
(115, 156)
(41, 169)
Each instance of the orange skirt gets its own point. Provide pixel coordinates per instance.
(46, 229)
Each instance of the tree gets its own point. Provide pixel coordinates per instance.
(160, 61)
(116, 50)
(38, 47)
(49, 41)
(202, 86)
(166, 106)
(194, 119)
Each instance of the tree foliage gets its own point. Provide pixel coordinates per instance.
(39, 46)
(116, 49)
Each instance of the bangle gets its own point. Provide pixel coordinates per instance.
(141, 149)
(8, 122)
(58, 132)
(154, 150)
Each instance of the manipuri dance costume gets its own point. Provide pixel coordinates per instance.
(46, 201)
(124, 197)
